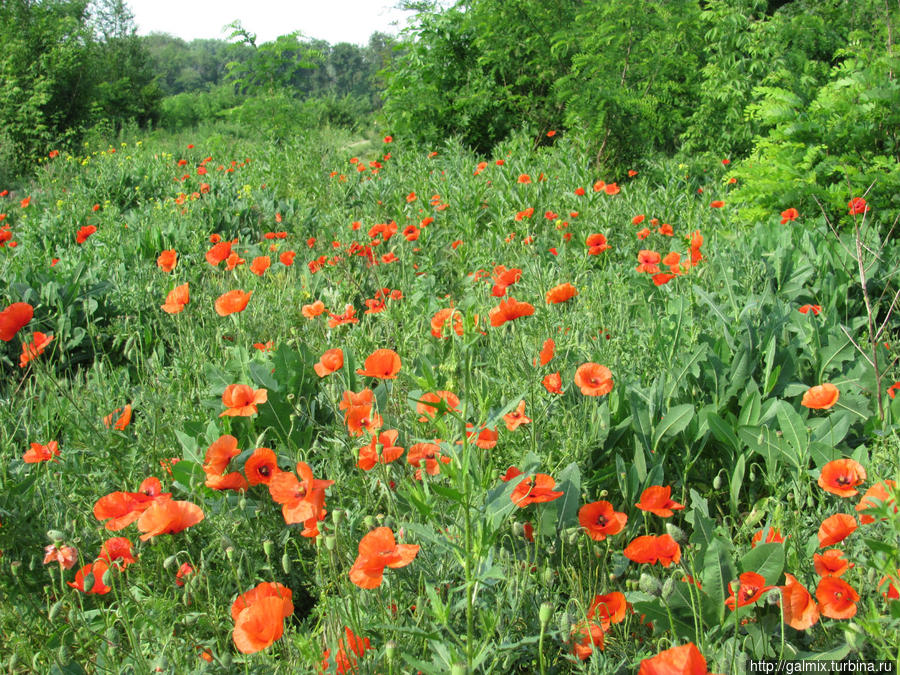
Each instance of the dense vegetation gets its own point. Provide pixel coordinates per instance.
(562, 337)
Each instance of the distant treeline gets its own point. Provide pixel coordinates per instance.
(69, 66)
(807, 88)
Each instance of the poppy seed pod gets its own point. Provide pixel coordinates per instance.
(170, 562)
(286, 563)
(55, 611)
(676, 533)
(545, 613)
(649, 584)
(390, 649)
(337, 516)
(330, 542)
(267, 548)
(55, 536)
(667, 588)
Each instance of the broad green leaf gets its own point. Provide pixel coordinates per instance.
(765, 559)
(676, 420)
(718, 572)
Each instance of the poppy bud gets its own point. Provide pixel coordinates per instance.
(337, 516)
(242, 503)
(191, 619)
(547, 576)
(810, 502)
(717, 481)
(565, 624)
(170, 562)
(107, 577)
(668, 588)
(111, 635)
(55, 536)
(88, 582)
(286, 563)
(852, 635)
(369, 522)
(225, 660)
(676, 533)
(330, 542)
(55, 610)
(603, 494)
(649, 584)
(573, 536)
(267, 548)
(161, 665)
(186, 599)
(229, 553)
(518, 529)
(388, 522)
(32, 564)
(752, 474)
(545, 613)
(72, 615)
(63, 653)
(773, 598)
(390, 649)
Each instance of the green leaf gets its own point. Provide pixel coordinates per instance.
(722, 431)
(676, 420)
(569, 481)
(766, 560)
(718, 572)
(794, 431)
(736, 482)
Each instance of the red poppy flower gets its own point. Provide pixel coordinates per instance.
(683, 660)
(381, 449)
(330, 362)
(260, 264)
(835, 529)
(841, 476)
(750, 589)
(183, 572)
(430, 455)
(608, 609)
(837, 599)
(14, 318)
(584, 637)
(266, 589)
(219, 252)
(95, 572)
(891, 592)
(535, 491)
(232, 261)
(593, 379)
(831, 563)
(117, 550)
(122, 421)
(561, 293)
(431, 404)
(301, 500)
(789, 215)
(120, 509)
(167, 260)
(218, 455)
(382, 363)
(805, 309)
(30, 350)
(232, 302)
(546, 353)
(509, 310)
(553, 383)
(177, 298)
(648, 262)
(637, 220)
(610, 188)
(596, 244)
(893, 389)
(347, 662)
(798, 608)
(287, 258)
(261, 466)
(84, 233)
(772, 535)
(41, 453)
(378, 549)
(656, 499)
(883, 492)
(651, 549)
(240, 400)
(717, 204)
(261, 623)
(168, 517)
(66, 556)
(600, 520)
(857, 205)
(820, 397)
(442, 317)
(516, 418)
(485, 438)
(313, 310)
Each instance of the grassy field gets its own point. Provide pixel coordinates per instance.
(364, 405)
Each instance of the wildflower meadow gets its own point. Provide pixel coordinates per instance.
(355, 401)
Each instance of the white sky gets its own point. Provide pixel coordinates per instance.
(332, 20)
